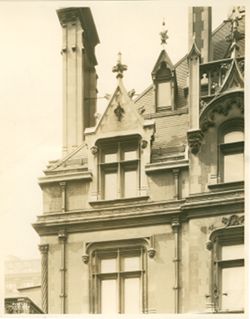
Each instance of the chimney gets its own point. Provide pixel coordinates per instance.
(200, 24)
(79, 75)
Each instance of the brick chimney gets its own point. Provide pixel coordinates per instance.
(79, 75)
(200, 24)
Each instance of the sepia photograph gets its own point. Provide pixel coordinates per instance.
(123, 167)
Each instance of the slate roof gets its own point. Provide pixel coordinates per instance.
(172, 126)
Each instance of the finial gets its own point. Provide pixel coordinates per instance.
(235, 35)
(119, 68)
(164, 34)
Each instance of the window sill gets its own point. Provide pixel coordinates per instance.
(229, 311)
(227, 186)
(118, 202)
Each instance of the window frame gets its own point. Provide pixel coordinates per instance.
(119, 250)
(228, 236)
(229, 148)
(120, 166)
(165, 75)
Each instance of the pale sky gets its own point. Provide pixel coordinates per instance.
(31, 88)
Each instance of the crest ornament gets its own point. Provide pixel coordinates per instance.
(119, 112)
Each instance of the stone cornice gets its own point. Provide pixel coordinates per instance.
(166, 165)
(56, 178)
(144, 214)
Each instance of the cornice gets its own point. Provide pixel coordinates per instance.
(166, 165)
(55, 178)
(140, 215)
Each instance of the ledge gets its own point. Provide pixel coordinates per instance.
(65, 177)
(118, 202)
(226, 186)
(154, 167)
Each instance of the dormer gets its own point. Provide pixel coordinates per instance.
(164, 79)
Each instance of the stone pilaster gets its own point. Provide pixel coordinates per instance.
(44, 276)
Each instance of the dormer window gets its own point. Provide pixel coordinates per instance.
(164, 96)
(165, 83)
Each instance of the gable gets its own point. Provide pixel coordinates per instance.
(234, 79)
(120, 117)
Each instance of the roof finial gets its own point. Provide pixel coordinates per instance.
(119, 68)
(235, 35)
(164, 34)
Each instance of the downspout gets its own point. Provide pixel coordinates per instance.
(175, 227)
(62, 237)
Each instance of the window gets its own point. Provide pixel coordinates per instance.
(232, 155)
(228, 269)
(118, 280)
(164, 97)
(231, 267)
(119, 169)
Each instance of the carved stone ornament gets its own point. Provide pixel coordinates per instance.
(194, 140)
(209, 245)
(151, 252)
(44, 248)
(119, 112)
(223, 108)
(144, 143)
(94, 150)
(233, 220)
(85, 258)
(62, 235)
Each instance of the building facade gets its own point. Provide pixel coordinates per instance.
(144, 213)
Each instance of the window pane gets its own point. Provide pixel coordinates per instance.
(130, 183)
(130, 155)
(109, 302)
(234, 167)
(235, 136)
(131, 263)
(110, 158)
(110, 185)
(108, 265)
(132, 303)
(232, 252)
(233, 288)
(164, 94)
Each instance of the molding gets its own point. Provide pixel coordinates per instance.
(221, 106)
(180, 111)
(226, 186)
(155, 167)
(142, 214)
(233, 220)
(55, 178)
(147, 242)
(119, 201)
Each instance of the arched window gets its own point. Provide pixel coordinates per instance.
(231, 148)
